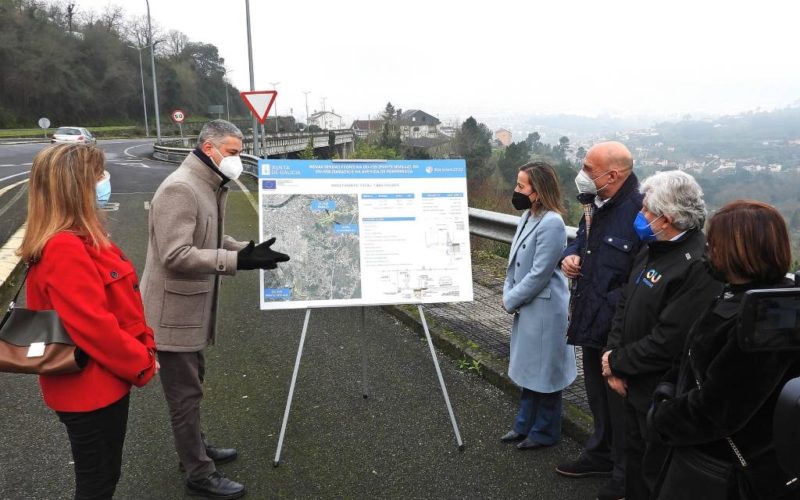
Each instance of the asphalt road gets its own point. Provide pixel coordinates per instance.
(132, 170)
(398, 443)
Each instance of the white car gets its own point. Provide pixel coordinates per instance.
(69, 135)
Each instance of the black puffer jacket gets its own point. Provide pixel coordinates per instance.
(668, 289)
(738, 389)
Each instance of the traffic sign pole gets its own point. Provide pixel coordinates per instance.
(44, 123)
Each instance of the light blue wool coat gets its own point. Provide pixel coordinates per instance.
(541, 360)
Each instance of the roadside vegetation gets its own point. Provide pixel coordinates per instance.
(77, 67)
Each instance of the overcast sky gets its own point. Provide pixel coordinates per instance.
(459, 58)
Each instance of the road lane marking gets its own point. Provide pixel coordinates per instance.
(8, 255)
(131, 164)
(11, 186)
(15, 175)
(136, 146)
(8, 165)
(247, 193)
(13, 199)
(147, 205)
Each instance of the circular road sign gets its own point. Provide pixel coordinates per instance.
(44, 123)
(178, 116)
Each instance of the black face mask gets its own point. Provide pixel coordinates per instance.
(713, 271)
(520, 201)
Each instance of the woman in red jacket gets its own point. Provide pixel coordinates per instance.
(88, 281)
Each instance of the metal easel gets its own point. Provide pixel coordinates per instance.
(277, 459)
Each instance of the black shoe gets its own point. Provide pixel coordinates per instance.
(529, 444)
(511, 436)
(218, 455)
(584, 467)
(612, 490)
(216, 485)
(221, 455)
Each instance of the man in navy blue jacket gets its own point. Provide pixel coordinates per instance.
(599, 264)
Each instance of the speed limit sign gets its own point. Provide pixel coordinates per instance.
(178, 116)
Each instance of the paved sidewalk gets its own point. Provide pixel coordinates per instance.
(480, 332)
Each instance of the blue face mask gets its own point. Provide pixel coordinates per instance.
(103, 190)
(643, 229)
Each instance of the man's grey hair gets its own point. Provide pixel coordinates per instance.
(676, 194)
(216, 131)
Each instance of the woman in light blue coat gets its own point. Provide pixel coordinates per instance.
(535, 291)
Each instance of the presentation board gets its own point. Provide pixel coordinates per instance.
(365, 232)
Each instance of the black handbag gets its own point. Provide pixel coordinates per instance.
(37, 342)
(690, 474)
(760, 478)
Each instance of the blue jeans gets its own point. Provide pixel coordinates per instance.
(539, 416)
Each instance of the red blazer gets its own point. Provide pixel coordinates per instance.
(96, 294)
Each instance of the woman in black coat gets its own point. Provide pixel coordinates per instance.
(722, 414)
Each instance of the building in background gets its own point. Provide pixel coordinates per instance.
(365, 128)
(503, 136)
(416, 124)
(326, 120)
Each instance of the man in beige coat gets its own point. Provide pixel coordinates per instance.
(187, 253)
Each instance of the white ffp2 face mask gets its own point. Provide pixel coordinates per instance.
(230, 166)
(585, 184)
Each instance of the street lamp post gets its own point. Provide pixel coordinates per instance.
(144, 97)
(252, 78)
(153, 62)
(277, 116)
(306, 92)
(227, 102)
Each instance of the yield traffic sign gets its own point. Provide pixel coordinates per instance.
(260, 102)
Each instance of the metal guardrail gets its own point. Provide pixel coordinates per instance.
(482, 223)
(500, 227)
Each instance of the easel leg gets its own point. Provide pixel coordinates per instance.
(441, 380)
(291, 390)
(363, 355)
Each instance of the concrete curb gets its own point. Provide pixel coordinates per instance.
(575, 422)
(11, 267)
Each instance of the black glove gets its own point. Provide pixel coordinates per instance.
(260, 256)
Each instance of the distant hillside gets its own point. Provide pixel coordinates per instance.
(80, 68)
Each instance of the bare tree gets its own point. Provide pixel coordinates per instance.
(136, 31)
(70, 13)
(175, 42)
(113, 18)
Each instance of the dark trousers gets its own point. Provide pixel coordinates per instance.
(182, 375)
(539, 416)
(643, 459)
(607, 442)
(96, 438)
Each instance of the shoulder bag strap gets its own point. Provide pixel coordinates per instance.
(22, 283)
(733, 446)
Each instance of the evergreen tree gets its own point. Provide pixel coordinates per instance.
(473, 143)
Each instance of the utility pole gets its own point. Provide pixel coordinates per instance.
(277, 116)
(252, 78)
(153, 62)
